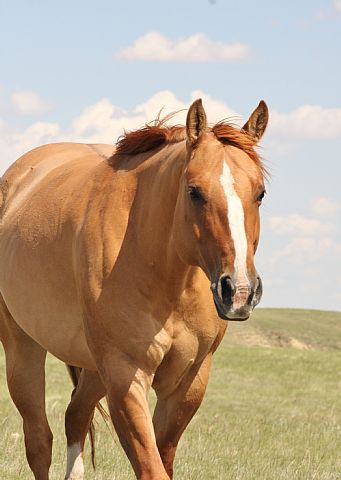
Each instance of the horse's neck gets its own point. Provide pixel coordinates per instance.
(157, 197)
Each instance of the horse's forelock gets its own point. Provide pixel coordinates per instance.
(230, 135)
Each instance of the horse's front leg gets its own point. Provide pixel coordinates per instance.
(127, 388)
(173, 413)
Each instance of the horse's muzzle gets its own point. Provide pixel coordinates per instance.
(235, 302)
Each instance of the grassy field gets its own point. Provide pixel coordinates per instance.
(272, 410)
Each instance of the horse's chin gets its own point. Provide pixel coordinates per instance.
(237, 316)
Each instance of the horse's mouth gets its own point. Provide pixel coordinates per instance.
(227, 313)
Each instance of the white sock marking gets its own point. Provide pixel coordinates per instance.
(75, 465)
(235, 216)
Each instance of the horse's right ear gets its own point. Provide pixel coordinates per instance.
(196, 122)
(256, 124)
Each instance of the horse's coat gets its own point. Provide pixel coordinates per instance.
(121, 261)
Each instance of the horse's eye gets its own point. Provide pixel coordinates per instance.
(195, 193)
(260, 197)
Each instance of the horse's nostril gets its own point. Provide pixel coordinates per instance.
(258, 292)
(259, 289)
(250, 298)
(227, 289)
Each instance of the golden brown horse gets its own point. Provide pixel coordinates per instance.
(127, 261)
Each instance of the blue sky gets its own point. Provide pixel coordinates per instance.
(72, 70)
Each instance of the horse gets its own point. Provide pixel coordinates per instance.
(127, 261)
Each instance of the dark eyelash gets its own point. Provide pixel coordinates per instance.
(195, 193)
(260, 197)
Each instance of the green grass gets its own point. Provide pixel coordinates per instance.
(269, 413)
(311, 329)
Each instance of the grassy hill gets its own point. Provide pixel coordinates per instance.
(279, 327)
(270, 413)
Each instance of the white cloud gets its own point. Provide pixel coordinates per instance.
(165, 100)
(155, 46)
(307, 122)
(29, 103)
(303, 272)
(305, 254)
(304, 257)
(307, 250)
(215, 109)
(299, 225)
(15, 143)
(104, 122)
(337, 5)
(38, 132)
(324, 207)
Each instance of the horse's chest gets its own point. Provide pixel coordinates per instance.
(187, 350)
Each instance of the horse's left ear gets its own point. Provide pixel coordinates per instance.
(256, 124)
(196, 121)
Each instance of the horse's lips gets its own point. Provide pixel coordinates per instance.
(232, 316)
(219, 309)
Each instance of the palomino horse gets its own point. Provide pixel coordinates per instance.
(120, 260)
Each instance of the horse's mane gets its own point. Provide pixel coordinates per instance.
(158, 133)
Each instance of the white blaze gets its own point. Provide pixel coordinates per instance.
(75, 466)
(235, 216)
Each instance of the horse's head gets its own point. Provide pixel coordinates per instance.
(217, 212)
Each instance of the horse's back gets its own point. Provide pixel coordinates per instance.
(29, 172)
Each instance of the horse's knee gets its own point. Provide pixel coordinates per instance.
(38, 437)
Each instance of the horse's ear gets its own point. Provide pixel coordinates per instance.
(196, 121)
(256, 124)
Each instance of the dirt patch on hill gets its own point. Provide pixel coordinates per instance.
(279, 339)
(254, 337)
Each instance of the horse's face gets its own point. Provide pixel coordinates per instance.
(221, 192)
